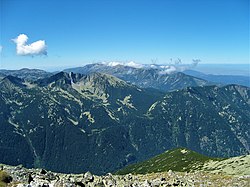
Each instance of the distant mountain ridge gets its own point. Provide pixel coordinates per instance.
(161, 77)
(221, 79)
(144, 77)
(25, 73)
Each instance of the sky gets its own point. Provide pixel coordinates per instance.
(48, 34)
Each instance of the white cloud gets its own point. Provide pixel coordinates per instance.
(162, 69)
(168, 69)
(1, 49)
(36, 48)
(129, 64)
(134, 65)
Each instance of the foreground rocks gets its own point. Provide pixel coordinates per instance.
(22, 177)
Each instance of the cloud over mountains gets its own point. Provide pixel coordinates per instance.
(36, 48)
(164, 68)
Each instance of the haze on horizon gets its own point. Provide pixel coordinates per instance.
(52, 34)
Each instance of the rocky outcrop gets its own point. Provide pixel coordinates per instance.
(23, 177)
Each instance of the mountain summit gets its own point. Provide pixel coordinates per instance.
(150, 76)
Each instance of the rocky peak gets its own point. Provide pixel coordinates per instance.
(101, 79)
(59, 79)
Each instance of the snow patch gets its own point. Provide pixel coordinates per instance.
(126, 102)
(183, 151)
(90, 118)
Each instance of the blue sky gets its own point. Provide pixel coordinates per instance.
(77, 32)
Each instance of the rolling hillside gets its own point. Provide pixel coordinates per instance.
(184, 160)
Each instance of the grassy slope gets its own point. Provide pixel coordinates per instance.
(179, 159)
(232, 166)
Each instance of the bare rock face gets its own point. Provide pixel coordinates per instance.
(23, 177)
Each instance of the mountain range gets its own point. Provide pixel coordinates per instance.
(97, 122)
(162, 77)
(221, 79)
(25, 73)
(144, 77)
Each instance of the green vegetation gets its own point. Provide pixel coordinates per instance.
(5, 178)
(101, 124)
(179, 159)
